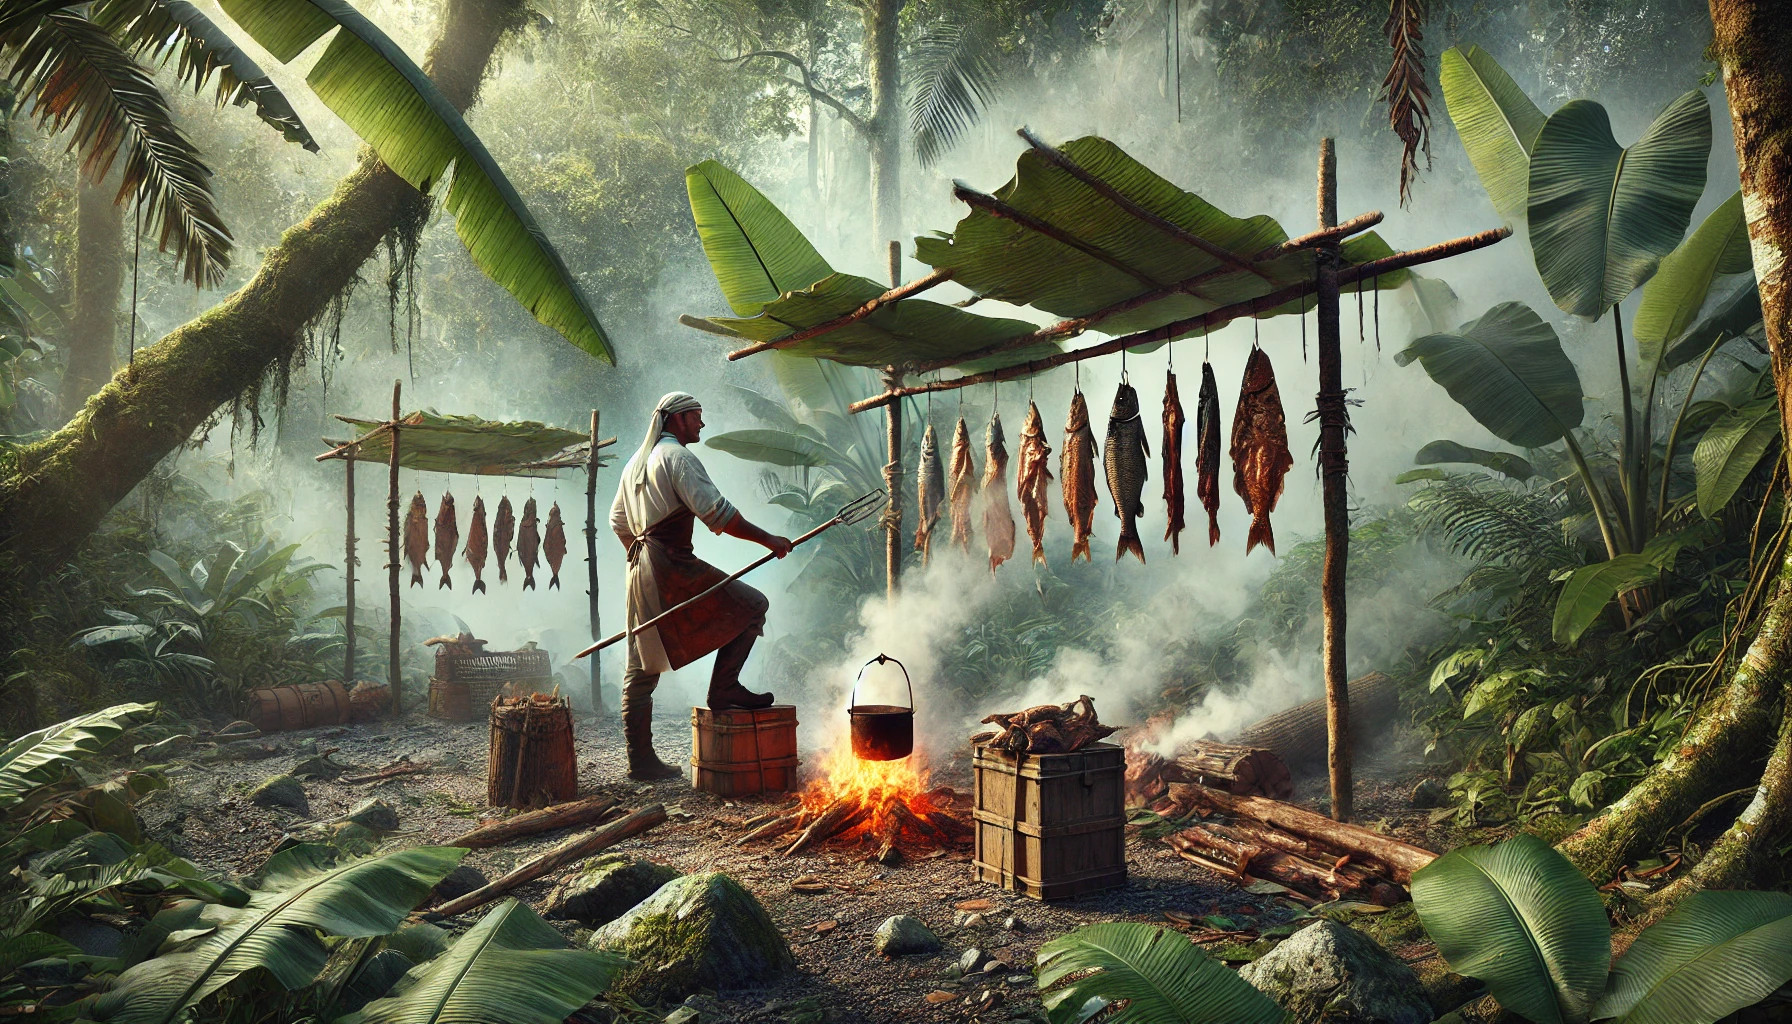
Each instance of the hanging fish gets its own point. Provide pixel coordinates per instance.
(998, 520)
(447, 537)
(1207, 451)
(1125, 455)
(503, 528)
(964, 485)
(528, 544)
(475, 550)
(1260, 457)
(555, 545)
(930, 491)
(1076, 472)
(1033, 480)
(1173, 492)
(416, 538)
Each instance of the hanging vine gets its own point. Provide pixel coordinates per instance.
(1405, 89)
(401, 274)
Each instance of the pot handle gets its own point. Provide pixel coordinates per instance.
(853, 701)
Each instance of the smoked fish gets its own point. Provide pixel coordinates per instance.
(1033, 480)
(476, 541)
(1260, 457)
(447, 538)
(964, 485)
(554, 545)
(1174, 493)
(416, 538)
(1207, 451)
(998, 519)
(1124, 457)
(930, 491)
(503, 528)
(528, 544)
(1076, 472)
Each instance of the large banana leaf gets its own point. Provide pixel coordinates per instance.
(301, 895)
(1521, 918)
(1130, 973)
(1497, 122)
(756, 252)
(777, 448)
(1674, 296)
(1716, 953)
(1507, 368)
(1730, 450)
(1735, 309)
(1603, 216)
(511, 968)
(375, 88)
(42, 757)
(1451, 453)
(1591, 587)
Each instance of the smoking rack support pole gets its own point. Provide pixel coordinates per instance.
(348, 571)
(597, 693)
(1334, 468)
(393, 550)
(893, 466)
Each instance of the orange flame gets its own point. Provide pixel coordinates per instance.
(869, 784)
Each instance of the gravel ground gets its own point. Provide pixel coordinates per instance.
(208, 818)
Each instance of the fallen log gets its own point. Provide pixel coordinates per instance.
(1240, 770)
(576, 848)
(1298, 735)
(1315, 850)
(578, 812)
(1323, 878)
(391, 771)
(1402, 859)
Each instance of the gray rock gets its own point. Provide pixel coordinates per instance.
(1429, 793)
(684, 1015)
(696, 932)
(903, 935)
(373, 814)
(1328, 973)
(1013, 924)
(968, 919)
(281, 791)
(457, 883)
(971, 962)
(604, 888)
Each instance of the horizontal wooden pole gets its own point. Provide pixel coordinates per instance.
(902, 291)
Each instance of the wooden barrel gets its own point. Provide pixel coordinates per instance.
(301, 706)
(533, 762)
(744, 751)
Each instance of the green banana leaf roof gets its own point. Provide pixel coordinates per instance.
(438, 443)
(1000, 259)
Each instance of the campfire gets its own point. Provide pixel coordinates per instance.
(855, 801)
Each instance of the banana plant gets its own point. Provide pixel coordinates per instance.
(1131, 973)
(1603, 220)
(1520, 918)
(43, 757)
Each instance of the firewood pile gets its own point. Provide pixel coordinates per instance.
(1046, 729)
(1252, 837)
(884, 821)
(1239, 770)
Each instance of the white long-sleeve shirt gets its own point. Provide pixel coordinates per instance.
(675, 479)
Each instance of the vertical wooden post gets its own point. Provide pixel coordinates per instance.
(893, 467)
(597, 693)
(348, 570)
(1334, 468)
(395, 551)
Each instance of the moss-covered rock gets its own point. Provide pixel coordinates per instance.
(1330, 974)
(903, 935)
(604, 888)
(281, 791)
(695, 932)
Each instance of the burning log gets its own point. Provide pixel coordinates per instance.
(576, 848)
(579, 812)
(902, 816)
(1297, 734)
(832, 820)
(773, 829)
(1046, 729)
(1402, 859)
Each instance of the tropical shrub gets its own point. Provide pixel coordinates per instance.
(1131, 973)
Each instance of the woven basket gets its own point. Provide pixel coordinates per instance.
(532, 763)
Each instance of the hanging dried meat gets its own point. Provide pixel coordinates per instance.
(998, 519)
(528, 544)
(1033, 480)
(1173, 492)
(1207, 452)
(1124, 457)
(1260, 457)
(930, 491)
(554, 545)
(476, 541)
(447, 538)
(964, 485)
(1076, 472)
(416, 538)
(503, 528)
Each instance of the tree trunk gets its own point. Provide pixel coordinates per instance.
(885, 126)
(99, 273)
(67, 483)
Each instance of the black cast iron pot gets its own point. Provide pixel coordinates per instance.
(882, 732)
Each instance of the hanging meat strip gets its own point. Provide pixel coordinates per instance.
(1207, 451)
(1033, 480)
(998, 519)
(1172, 451)
(964, 485)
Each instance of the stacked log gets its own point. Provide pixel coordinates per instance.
(1297, 735)
(532, 758)
(1245, 771)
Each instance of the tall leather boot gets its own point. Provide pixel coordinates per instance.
(725, 691)
(643, 764)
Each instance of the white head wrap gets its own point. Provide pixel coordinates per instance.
(671, 404)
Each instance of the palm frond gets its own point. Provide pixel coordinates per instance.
(954, 71)
(1405, 89)
(165, 30)
(73, 72)
(1481, 518)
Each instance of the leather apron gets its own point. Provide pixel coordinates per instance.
(663, 571)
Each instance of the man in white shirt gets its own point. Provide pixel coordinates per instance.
(665, 491)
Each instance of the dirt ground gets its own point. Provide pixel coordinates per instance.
(208, 818)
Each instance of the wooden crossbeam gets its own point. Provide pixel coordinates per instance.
(901, 291)
(1212, 318)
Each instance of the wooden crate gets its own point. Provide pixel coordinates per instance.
(743, 752)
(1051, 826)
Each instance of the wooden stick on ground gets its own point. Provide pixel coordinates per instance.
(831, 821)
(1402, 858)
(576, 848)
(577, 812)
(773, 829)
(391, 771)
